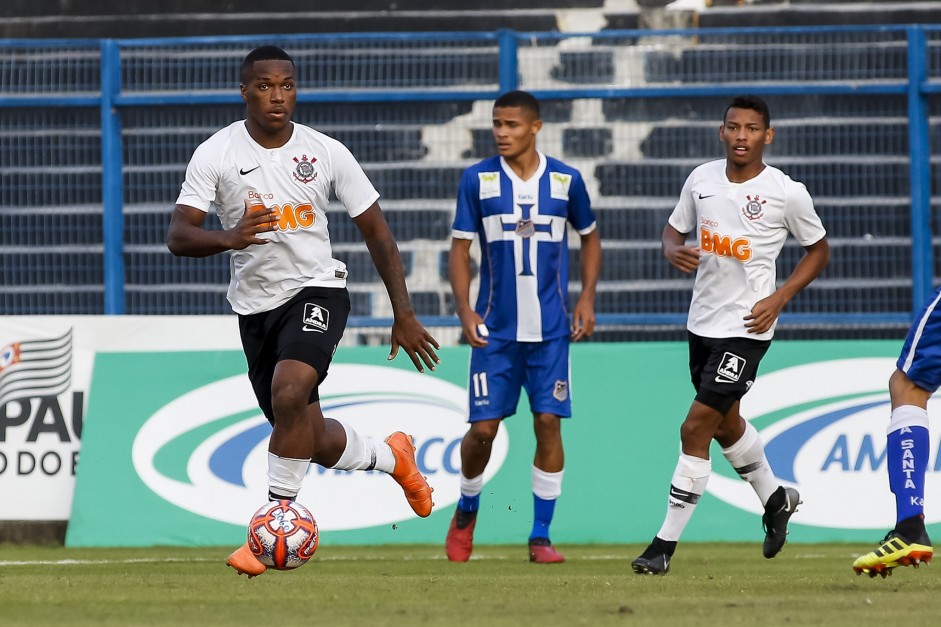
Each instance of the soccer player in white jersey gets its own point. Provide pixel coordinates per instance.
(740, 210)
(269, 181)
(916, 378)
(518, 205)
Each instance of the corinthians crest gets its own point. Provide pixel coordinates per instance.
(753, 209)
(304, 172)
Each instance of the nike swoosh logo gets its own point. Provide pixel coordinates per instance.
(724, 380)
(244, 172)
(701, 197)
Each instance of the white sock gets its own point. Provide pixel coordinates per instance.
(473, 486)
(688, 485)
(547, 485)
(286, 475)
(747, 457)
(907, 416)
(364, 453)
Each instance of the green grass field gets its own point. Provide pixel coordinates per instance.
(710, 584)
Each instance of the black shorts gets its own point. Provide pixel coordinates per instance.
(723, 369)
(307, 328)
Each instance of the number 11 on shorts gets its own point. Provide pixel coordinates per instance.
(480, 384)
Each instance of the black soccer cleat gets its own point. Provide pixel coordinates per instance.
(778, 511)
(655, 560)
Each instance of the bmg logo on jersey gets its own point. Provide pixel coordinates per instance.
(723, 245)
(290, 217)
(316, 318)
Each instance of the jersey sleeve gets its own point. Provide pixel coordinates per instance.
(580, 213)
(351, 185)
(467, 214)
(202, 178)
(683, 218)
(800, 217)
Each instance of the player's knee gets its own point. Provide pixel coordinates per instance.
(288, 402)
(693, 431)
(904, 391)
(700, 427)
(899, 384)
(546, 425)
(898, 380)
(727, 435)
(482, 433)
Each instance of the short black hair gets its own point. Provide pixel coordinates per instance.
(262, 53)
(754, 103)
(521, 99)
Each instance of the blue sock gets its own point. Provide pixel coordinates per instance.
(907, 455)
(469, 503)
(542, 517)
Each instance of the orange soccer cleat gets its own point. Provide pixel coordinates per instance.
(407, 475)
(245, 563)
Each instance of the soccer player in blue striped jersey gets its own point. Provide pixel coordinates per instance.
(518, 205)
(916, 378)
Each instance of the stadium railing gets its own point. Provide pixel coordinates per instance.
(95, 136)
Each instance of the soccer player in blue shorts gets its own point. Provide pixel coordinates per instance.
(519, 205)
(916, 378)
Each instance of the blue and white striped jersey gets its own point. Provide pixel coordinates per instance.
(523, 292)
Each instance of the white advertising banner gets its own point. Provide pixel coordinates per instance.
(46, 365)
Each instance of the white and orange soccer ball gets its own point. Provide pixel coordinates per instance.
(283, 535)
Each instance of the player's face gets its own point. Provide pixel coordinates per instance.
(270, 97)
(745, 136)
(514, 131)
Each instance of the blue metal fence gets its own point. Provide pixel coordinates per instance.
(94, 138)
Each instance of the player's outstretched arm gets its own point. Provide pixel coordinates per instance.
(680, 256)
(766, 311)
(583, 318)
(186, 236)
(407, 331)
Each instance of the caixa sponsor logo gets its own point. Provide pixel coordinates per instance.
(829, 441)
(206, 451)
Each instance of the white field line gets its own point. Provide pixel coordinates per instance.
(475, 558)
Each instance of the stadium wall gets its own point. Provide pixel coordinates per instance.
(168, 425)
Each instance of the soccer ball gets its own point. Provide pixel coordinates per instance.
(283, 535)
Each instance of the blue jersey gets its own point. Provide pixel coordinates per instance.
(521, 226)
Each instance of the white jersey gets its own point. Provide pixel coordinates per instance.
(296, 180)
(741, 228)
